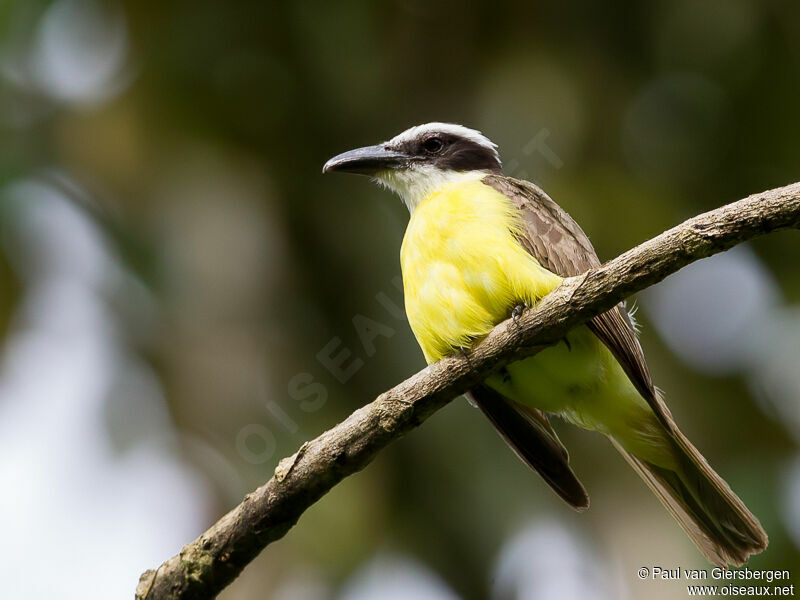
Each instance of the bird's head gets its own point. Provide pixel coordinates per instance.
(422, 159)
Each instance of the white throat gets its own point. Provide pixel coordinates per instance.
(416, 182)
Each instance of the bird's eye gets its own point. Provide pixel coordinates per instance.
(433, 145)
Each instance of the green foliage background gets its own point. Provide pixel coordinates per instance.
(202, 170)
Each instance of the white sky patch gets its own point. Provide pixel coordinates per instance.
(709, 311)
(544, 559)
(94, 514)
(396, 577)
(791, 500)
(75, 52)
(725, 315)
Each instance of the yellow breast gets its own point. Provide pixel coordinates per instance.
(463, 269)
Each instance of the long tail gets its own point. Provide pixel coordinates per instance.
(715, 519)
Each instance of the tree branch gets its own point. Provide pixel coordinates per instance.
(205, 566)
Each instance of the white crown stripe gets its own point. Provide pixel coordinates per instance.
(452, 128)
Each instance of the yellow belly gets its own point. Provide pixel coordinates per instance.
(464, 272)
(463, 269)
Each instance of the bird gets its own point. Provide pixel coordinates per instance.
(482, 247)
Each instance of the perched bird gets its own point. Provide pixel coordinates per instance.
(481, 246)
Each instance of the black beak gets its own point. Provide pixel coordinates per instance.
(366, 161)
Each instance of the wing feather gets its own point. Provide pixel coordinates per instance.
(529, 433)
(558, 243)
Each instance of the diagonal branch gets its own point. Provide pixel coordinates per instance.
(205, 566)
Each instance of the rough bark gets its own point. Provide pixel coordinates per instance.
(205, 566)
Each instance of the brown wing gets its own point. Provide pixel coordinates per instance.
(559, 244)
(531, 436)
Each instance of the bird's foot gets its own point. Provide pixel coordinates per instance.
(516, 313)
(464, 352)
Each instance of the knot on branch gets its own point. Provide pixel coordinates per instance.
(286, 465)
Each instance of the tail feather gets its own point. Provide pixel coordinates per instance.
(711, 514)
